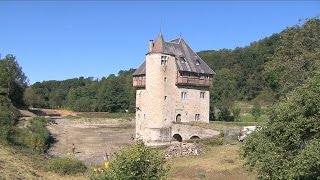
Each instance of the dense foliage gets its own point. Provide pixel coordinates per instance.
(111, 94)
(136, 161)
(34, 137)
(12, 84)
(267, 69)
(12, 80)
(288, 147)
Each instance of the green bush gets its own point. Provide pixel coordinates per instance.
(288, 147)
(8, 117)
(66, 166)
(136, 161)
(35, 136)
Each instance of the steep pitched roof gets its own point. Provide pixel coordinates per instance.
(141, 70)
(186, 59)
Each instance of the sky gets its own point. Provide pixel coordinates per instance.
(57, 40)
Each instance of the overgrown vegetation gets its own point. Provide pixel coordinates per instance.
(287, 148)
(66, 166)
(136, 161)
(35, 136)
(12, 84)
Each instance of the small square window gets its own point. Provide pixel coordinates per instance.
(165, 97)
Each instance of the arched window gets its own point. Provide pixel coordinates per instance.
(178, 118)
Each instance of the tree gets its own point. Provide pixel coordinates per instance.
(296, 57)
(31, 98)
(137, 161)
(256, 110)
(224, 91)
(236, 110)
(288, 147)
(12, 79)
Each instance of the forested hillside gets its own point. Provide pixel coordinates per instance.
(265, 71)
(111, 94)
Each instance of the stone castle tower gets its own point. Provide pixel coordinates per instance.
(172, 85)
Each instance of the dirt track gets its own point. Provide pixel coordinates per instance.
(92, 138)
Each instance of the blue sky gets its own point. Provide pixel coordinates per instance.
(57, 40)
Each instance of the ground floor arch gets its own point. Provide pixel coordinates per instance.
(194, 137)
(177, 137)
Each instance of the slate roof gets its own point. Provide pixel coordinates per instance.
(186, 59)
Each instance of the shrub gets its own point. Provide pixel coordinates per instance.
(225, 115)
(66, 166)
(35, 136)
(8, 117)
(137, 161)
(288, 148)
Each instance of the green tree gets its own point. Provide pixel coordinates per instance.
(224, 90)
(32, 99)
(288, 147)
(296, 57)
(256, 110)
(236, 110)
(137, 161)
(12, 79)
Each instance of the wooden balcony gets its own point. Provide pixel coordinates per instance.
(139, 81)
(200, 81)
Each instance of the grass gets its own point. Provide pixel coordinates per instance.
(219, 162)
(234, 124)
(20, 164)
(250, 118)
(107, 115)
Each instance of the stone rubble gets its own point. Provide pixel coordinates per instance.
(183, 149)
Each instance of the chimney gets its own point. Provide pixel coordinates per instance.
(150, 45)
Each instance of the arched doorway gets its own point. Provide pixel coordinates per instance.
(178, 118)
(177, 137)
(195, 137)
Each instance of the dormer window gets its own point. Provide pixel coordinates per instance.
(197, 62)
(164, 60)
(183, 60)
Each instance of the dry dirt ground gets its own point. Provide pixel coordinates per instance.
(92, 137)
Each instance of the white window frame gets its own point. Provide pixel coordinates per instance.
(164, 60)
